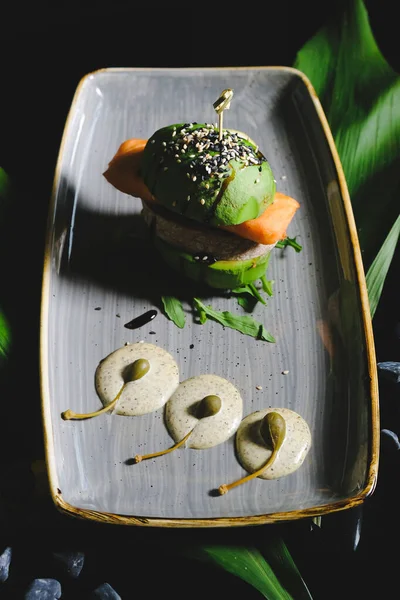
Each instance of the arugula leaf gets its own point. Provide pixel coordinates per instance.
(267, 285)
(289, 242)
(246, 325)
(254, 291)
(247, 302)
(174, 310)
(248, 296)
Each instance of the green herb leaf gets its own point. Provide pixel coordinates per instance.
(256, 293)
(289, 242)
(267, 285)
(174, 310)
(251, 289)
(247, 302)
(248, 296)
(246, 325)
(378, 270)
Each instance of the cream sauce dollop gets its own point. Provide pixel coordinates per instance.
(145, 395)
(209, 431)
(253, 452)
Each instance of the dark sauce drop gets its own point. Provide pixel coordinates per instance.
(141, 320)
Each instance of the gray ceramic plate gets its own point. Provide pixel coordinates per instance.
(97, 277)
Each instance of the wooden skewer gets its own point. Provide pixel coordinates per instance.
(223, 103)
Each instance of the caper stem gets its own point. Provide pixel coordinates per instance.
(223, 489)
(139, 457)
(69, 414)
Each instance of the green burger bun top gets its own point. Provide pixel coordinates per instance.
(217, 182)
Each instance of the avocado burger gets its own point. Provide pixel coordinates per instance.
(209, 198)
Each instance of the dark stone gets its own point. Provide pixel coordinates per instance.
(5, 560)
(45, 589)
(72, 562)
(106, 592)
(390, 439)
(390, 370)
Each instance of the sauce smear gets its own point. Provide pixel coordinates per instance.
(141, 320)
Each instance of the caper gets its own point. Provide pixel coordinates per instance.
(208, 406)
(273, 430)
(139, 369)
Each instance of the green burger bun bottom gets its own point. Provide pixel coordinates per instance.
(221, 274)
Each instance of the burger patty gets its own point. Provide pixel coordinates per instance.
(194, 238)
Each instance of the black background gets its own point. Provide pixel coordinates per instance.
(44, 54)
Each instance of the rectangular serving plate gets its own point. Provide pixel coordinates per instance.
(321, 366)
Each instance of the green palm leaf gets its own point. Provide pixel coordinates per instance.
(5, 333)
(277, 553)
(378, 270)
(247, 563)
(360, 94)
(5, 338)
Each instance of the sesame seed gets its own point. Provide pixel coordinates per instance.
(202, 201)
(193, 178)
(188, 198)
(153, 142)
(165, 168)
(174, 203)
(285, 372)
(164, 143)
(257, 181)
(205, 257)
(258, 387)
